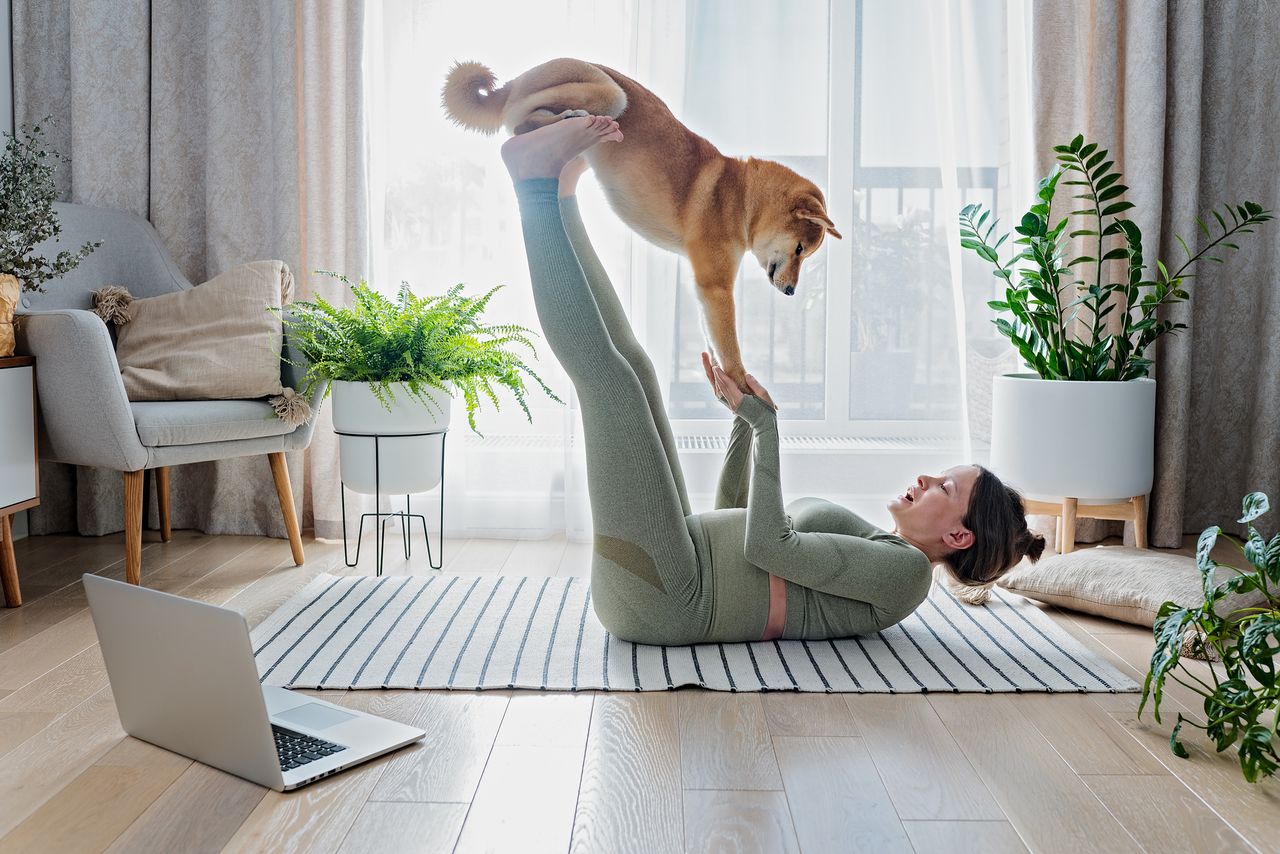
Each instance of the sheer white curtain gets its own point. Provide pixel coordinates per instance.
(901, 110)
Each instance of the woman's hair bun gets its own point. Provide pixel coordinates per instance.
(1033, 546)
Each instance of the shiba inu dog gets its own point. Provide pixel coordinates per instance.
(670, 185)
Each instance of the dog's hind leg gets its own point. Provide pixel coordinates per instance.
(596, 96)
(545, 116)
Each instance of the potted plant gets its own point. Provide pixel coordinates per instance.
(393, 365)
(1089, 369)
(1241, 647)
(27, 194)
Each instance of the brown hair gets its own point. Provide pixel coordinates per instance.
(997, 517)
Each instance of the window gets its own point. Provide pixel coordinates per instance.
(846, 94)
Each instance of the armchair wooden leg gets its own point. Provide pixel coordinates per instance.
(133, 481)
(9, 564)
(284, 491)
(162, 498)
(1069, 525)
(1140, 521)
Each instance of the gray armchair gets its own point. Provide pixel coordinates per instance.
(87, 420)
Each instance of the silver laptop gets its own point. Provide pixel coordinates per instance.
(184, 679)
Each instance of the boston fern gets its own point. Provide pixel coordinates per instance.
(1245, 644)
(1046, 297)
(421, 343)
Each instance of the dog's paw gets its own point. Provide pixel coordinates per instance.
(572, 114)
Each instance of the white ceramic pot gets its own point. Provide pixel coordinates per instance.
(1055, 439)
(405, 463)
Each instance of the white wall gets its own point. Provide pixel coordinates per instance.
(6, 69)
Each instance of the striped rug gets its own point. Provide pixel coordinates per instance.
(471, 632)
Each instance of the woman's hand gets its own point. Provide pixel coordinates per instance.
(727, 391)
(710, 369)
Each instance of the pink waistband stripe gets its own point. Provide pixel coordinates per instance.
(777, 608)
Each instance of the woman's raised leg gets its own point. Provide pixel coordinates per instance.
(615, 320)
(645, 579)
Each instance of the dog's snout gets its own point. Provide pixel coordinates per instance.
(789, 290)
(772, 268)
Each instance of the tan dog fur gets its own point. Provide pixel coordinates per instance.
(670, 185)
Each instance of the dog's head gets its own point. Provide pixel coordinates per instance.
(789, 231)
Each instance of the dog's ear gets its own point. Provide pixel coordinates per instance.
(811, 209)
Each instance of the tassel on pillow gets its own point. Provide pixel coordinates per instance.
(286, 284)
(112, 305)
(291, 407)
(972, 594)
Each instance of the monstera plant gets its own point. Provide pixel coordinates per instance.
(1241, 647)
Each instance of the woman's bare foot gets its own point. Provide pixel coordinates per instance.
(543, 153)
(569, 175)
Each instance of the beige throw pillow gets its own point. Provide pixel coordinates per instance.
(216, 341)
(1121, 583)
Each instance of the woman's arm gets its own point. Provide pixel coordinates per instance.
(880, 570)
(735, 474)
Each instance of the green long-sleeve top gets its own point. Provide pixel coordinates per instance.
(855, 580)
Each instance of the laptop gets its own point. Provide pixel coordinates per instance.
(184, 679)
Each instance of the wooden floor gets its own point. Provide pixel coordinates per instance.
(525, 771)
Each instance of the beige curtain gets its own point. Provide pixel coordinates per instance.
(1185, 95)
(236, 128)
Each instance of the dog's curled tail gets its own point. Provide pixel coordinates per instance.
(471, 97)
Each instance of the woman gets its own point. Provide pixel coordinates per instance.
(750, 569)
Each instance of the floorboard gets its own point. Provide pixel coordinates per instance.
(686, 770)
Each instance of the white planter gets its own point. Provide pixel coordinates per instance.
(1055, 439)
(406, 464)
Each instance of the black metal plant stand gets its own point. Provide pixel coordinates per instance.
(379, 543)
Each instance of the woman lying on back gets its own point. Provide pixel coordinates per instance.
(753, 568)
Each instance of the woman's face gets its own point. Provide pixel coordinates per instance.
(930, 512)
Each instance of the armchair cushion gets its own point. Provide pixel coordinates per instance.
(216, 341)
(194, 422)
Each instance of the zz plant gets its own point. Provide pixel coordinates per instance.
(1245, 643)
(1045, 297)
(420, 343)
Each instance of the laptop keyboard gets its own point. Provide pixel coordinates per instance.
(296, 749)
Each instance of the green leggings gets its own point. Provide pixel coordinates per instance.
(645, 570)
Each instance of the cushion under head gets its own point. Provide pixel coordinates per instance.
(1121, 583)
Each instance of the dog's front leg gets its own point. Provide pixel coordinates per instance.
(714, 275)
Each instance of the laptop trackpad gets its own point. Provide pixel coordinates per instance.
(314, 716)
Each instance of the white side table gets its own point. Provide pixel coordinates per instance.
(19, 473)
